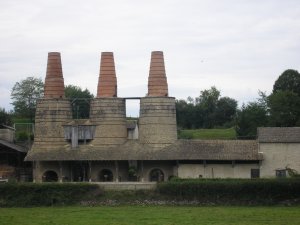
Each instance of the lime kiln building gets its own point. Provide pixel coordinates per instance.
(104, 148)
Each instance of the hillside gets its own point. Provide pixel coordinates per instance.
(211, 134)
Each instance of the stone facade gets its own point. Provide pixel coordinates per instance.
(102, 149)
(157, 122)
(279, 157)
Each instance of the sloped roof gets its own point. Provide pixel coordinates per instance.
(279, 134)
(13, 146)
(133, 150)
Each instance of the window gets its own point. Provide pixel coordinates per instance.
(281, 173)
(255, 173)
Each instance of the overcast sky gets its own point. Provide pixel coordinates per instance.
(237, 45)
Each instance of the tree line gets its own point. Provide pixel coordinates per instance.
(209, 110)
(279, 109)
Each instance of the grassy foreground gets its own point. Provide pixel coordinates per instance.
(221, 134)
(123, 215)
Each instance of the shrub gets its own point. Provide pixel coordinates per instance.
(44, 194)
(228, 191)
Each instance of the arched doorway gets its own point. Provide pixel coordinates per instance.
(50, 176)
(105, 175)
(157, 175)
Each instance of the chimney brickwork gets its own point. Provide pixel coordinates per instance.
(157, 81)
(107, 83)
(54, 82)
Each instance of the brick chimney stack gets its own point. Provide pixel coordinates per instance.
(157, 80)
(54, 81)
(107, 83)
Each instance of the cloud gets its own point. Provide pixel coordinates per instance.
(238, 46)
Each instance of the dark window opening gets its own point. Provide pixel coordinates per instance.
(50, 176)
(80, 171)
(255, 173)
(106, 176)
(281, 173)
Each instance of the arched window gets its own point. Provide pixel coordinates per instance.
(50, 176)
(105, 175)
(157, 175)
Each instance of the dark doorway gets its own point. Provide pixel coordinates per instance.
(50, 176)
(157, 175)
(80, 171)
(106, 175)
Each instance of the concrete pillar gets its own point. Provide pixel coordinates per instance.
(117, 170)
(60, 172)
(142, 171)
(90, 171)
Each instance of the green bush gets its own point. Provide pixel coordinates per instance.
(45, 194)
(257, 191)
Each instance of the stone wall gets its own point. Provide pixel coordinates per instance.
(157, 123)
(216, 170)
(7, 135)
(51, 115)
(278, 156)
(109, 116)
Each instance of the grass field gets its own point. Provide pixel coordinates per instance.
(123, 215)
(208, 134)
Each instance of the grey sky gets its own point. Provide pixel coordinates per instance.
(239, 46)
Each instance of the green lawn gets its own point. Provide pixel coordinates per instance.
(122, 215)
(208, 134)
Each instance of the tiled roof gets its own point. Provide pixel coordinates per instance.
(133, 150)
(279, 134)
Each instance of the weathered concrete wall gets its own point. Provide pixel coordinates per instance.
(279, 156)
(216, 170)
(51, 115)
(157, 123)
(109, 116)
(7, 135)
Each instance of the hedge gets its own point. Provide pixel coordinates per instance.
(45, 194)
(241, 191)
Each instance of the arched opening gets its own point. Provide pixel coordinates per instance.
(157, 175)
(105, 176)
(50, 176)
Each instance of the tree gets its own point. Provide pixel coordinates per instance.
(225, 111)
(207, 102)
(250, 117)
(24, 95)
(5, 117)
(184, 114)
(284, 102)
(80, 101)
(284, 109)
(289, 80)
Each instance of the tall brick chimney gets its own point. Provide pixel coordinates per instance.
(107, 83)
(157, 81)
(54, 81)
